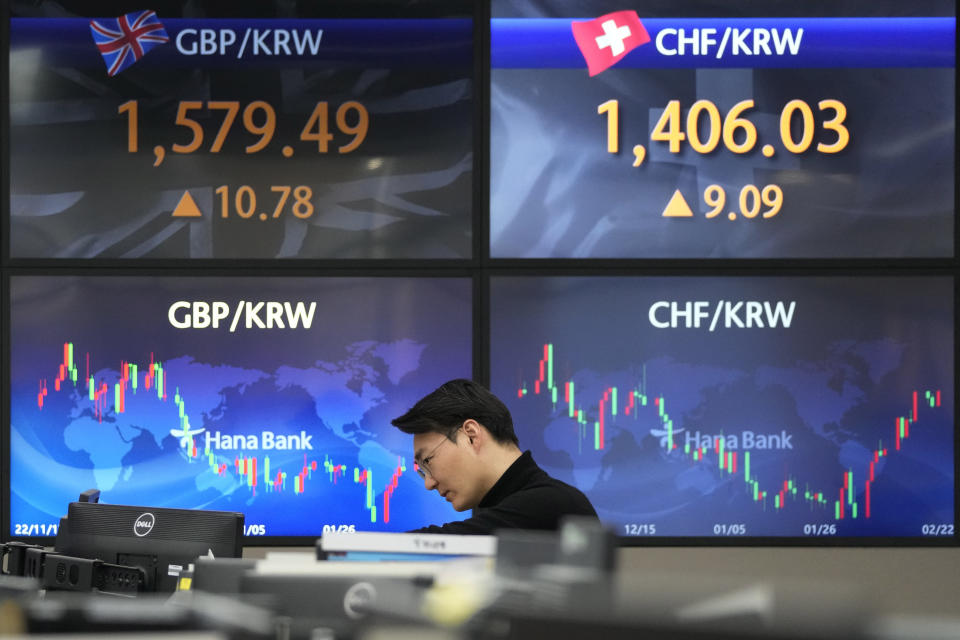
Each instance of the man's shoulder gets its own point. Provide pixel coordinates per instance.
(544, 479)
(548, 490)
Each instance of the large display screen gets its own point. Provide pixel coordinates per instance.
(183, 129)
(703, 129)
(738, 407)
(268, 396)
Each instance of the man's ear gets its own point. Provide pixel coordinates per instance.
(472, 429)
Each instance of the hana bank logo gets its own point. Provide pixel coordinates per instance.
(186, 435)
(664, 436)
(604, 41)
(144, 524)
(124, 40)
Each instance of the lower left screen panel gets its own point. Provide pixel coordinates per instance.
(265, 395)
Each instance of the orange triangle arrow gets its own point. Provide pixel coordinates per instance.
(187, 207)
(677, 207)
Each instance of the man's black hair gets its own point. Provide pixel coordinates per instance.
(445, 409)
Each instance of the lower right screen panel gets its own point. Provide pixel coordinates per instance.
(738, 406)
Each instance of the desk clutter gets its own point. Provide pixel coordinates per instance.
(371, 586)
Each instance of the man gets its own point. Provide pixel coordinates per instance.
(465, 449)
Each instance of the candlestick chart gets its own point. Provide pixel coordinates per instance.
(840, 425)
(243, 467)
(716, 451)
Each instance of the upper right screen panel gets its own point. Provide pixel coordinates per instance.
(690, 129)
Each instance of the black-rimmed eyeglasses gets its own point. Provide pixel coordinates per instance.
(423, 466)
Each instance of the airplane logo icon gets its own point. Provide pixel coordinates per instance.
(186, 434)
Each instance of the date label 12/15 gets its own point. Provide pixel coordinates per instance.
(634, 529)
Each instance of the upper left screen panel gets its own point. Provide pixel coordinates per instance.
(280, 130)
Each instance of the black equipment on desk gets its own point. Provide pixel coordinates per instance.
(161, 541)
(220, 575)
(14, 556)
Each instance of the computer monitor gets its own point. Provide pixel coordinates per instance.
(290, 426)
(667, 148)
(365, 140)
(161, 541)
(752, 409)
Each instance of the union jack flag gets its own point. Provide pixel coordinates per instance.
(124, 40)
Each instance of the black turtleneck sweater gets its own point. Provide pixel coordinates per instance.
(524, 497)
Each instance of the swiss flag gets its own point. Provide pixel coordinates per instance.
(605, 40)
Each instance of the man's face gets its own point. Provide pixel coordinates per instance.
(448, 468)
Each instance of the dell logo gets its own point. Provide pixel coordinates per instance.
(144, 524)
